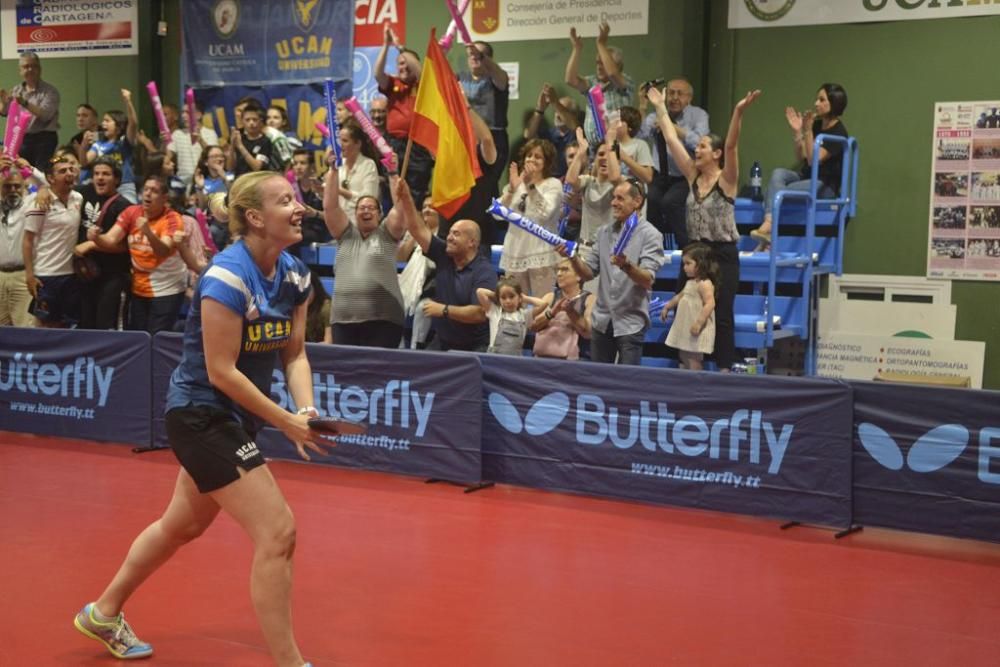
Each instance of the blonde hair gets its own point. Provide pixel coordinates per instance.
(245, 195)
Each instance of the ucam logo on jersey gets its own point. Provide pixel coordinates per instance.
(927, 459)
(686, 438)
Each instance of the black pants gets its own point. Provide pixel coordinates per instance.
(418, 171)
(158, 313)
(667, 207)
(38, 148)
(101, 299)
(728, 258)
(376, 333)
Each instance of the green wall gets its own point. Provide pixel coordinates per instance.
(894, 73)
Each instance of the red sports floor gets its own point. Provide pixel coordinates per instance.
(391, 571)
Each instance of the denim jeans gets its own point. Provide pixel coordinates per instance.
(786, 179)
(605, 347)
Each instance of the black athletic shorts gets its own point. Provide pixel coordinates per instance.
(210, 444)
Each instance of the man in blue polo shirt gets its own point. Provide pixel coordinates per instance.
(459, 320)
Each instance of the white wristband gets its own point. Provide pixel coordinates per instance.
(307, 410)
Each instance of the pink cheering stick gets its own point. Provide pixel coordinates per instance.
(456, 16)
(161, 120)
(323, 129)
(13, 112)
(202, 219)
(449, 36)
(18, 120)
(294, 182)
(189, 108)
(388, 157)
(595, 96)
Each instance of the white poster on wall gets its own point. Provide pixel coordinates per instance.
(69, 28)
(964, 219)
(507, 21)
(776, 13)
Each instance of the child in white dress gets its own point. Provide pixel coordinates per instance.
(693, 330)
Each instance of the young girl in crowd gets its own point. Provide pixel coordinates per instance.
(505, 309)
(693, 331)
(278, 130)
(118, 142)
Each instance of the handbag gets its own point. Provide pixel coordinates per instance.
(85, 268)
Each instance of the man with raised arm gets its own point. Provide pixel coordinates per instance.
(459, 320)
(617, 86)
(401, 91)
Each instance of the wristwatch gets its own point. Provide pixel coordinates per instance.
(444, 313)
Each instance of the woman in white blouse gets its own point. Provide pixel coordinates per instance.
(536, 195)
(358, 173)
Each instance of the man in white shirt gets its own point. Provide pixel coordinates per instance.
(188, 152)
(50, 236)
(14, 294)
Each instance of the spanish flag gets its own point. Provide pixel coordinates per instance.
(441, 125)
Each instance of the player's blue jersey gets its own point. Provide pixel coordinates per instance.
(266, 307)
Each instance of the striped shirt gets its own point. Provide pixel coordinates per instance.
(367, 286)
(266, 306)
(153, 275)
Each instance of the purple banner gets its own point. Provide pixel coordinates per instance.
(766, 446)
(927, 459)
(76, 384)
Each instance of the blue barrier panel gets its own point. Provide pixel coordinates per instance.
(776, 447)
(422, 410)
(166, 356)
(927, 459)
(76, 384)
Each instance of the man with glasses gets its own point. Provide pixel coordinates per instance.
(621, 314)
(41, 99)
(668, 192)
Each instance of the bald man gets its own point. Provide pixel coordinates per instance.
(459, 320)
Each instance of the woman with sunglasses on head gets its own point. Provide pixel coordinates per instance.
(713, 174)
(537, 195)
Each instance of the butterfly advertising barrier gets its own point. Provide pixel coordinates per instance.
(766, 446)
(927, 459)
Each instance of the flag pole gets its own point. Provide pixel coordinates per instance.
(406, 157)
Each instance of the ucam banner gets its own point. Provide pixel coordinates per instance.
(766, 446)
(422, 411)
(76, 384)
(229, 42)
(927, 459)
(69, 28)
(776, 13)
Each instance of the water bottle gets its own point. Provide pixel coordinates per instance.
(756, 191)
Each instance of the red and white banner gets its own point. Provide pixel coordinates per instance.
(69, 28)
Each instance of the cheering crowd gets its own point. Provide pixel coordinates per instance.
(119, 225)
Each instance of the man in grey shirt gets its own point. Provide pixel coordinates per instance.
(367, 302)
(41, 99)
(621, 315)
(669, 190)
